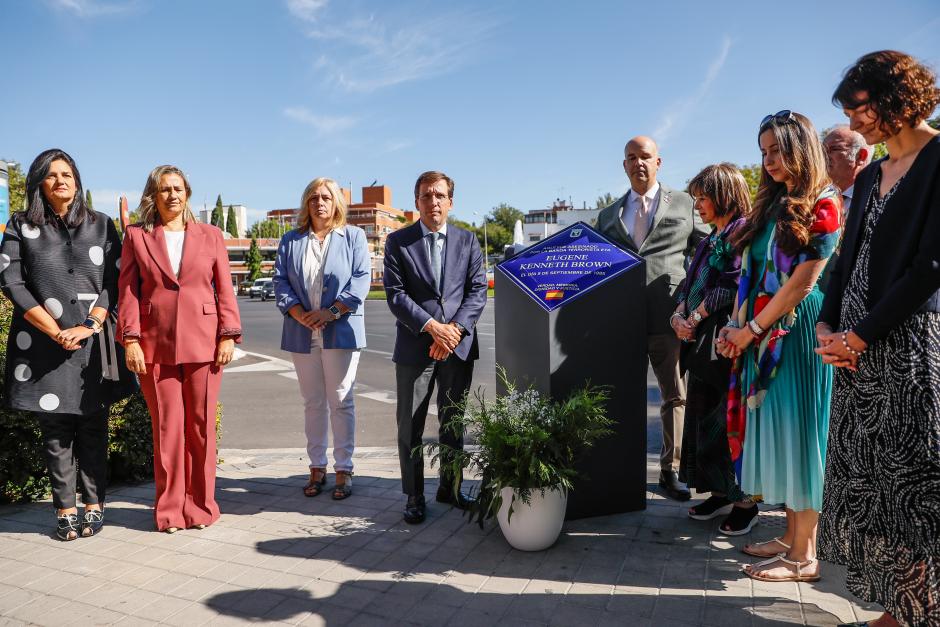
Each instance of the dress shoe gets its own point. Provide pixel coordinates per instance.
(415, 509)
(459, 500)
(675, 489)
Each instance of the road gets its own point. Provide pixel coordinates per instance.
(263, 408)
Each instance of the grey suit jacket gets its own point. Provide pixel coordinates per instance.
(674, 234)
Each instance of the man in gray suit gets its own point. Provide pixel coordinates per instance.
(660, 225)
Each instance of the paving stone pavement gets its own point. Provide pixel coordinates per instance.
(278, 557)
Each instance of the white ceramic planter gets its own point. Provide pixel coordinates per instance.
(534, 527)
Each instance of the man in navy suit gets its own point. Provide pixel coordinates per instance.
(436, 288)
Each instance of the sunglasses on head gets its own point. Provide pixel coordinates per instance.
(780, 117)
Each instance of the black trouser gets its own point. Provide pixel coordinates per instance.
(76, 440)
(415, 384)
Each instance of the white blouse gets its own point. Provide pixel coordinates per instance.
(174, 248)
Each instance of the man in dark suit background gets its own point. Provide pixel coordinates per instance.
(659, 224)
(436, 288)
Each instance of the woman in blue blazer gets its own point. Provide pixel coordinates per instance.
(321, 279)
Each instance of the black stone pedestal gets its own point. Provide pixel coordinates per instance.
(599, 336)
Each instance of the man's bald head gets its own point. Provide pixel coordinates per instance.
(641, 162)
(847, 153)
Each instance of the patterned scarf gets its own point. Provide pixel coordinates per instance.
(778, 266)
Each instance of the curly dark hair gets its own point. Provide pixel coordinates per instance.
(901, 90)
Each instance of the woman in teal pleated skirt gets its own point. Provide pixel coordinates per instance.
(784, 456)
(778, 399)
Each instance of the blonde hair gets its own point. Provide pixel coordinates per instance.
(147, 214)
(304, 223)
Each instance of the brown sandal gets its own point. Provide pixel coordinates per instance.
(342, 490)
(751, 570)
(317, 481)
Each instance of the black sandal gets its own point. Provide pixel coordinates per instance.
(66, 526)
(315, 486)
(343, 490)
(93, 522)
(740, 521)
(712, 507)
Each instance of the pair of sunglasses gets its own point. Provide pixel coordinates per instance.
(780, 117)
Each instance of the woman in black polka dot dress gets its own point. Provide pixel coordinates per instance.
(59, 266)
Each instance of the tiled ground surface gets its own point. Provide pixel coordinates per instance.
(276, 556)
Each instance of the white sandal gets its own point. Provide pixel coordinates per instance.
(798, 576)
(778, 540)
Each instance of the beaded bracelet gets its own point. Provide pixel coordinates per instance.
(845, 343)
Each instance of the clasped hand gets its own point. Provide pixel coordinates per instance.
(314, 320)
(71, 339)
(833, 351)
(446, 338)
(683, 328)
(731, 342)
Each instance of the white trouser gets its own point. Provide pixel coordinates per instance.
(326, 378)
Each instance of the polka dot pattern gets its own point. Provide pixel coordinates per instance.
(22, 373)
(54, 307)
(23, 340)
(48, 402)
(29, 231)
(96, 254)
(4, 262)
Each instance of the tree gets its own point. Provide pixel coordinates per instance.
(17, 184)
(231, 222)
(266, 229)
(605, 201)
(498, 237)
(253, 260)
(934, 123)
(506, 216)
(216, 218)
(88, 201)
(752, 176)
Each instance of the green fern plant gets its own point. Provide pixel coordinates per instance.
(525, 441)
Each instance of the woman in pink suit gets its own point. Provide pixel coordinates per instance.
(179, 322)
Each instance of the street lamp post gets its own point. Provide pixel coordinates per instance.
(486, 247)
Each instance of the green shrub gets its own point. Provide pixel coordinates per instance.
(22, 464)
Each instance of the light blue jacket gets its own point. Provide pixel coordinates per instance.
(346, 278)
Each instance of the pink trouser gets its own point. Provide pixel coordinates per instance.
(182, 400)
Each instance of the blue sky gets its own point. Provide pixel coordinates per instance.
(520, 102)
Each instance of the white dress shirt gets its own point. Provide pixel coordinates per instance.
(313, 277)
(846, 201)
(632, 204)
(174, 248)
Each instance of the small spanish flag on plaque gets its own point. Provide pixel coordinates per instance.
(554, 295)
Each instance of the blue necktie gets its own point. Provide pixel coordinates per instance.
(435, 259)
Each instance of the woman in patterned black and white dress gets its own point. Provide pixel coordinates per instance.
(881, 504)
(58, 265)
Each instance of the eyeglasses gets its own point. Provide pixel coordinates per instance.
(780, 117)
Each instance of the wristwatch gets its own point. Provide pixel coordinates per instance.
(91, 324)
(335, 311)
(696, 317)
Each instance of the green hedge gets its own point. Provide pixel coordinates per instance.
(22, 465)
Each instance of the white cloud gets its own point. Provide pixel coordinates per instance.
(364, 54)
(93, 8)
(306, 10)
(679, 111)
(322, 124)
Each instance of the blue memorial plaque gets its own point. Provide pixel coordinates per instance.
(566, 265)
